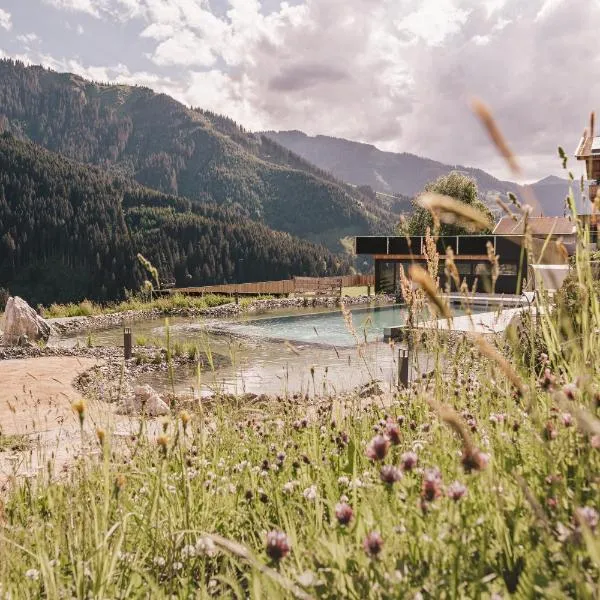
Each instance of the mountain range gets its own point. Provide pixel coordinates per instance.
(167, 146)
(406, 174)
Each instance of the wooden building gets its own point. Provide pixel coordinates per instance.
(391, 253)
(588, 150)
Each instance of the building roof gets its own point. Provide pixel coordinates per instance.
(537, 226)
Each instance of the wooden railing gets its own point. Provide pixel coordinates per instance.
(297, 285)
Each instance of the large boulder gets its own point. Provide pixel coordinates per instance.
(144, 401)
(21, 322)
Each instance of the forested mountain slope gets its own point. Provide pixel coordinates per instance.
(168, 147)
(407, 174)
(70, 231)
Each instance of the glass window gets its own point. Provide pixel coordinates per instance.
(482, 269)
(463, 268)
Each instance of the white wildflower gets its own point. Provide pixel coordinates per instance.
(188, 551)
(288, 487)
(159, 561)
(32, 574)
(205, 547)
(343, 480)
(177, 566)
(310, 493)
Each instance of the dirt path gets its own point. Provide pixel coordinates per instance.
(36, 395)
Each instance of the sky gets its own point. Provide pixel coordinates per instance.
(399, 74)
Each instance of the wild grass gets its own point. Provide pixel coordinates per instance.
(14, 443)
(481, 482)
(162, 303)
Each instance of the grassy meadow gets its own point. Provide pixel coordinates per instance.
(481, 483)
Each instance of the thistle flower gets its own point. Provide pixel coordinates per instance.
(390, 474)
(547, 380)
(119, 483)
(373, 544)
(392, 432)
(432, 484)
(456, 491)
(100, 434)
(570, 390)
(474, 460)
(408, 461)
(278, 545)
(343, 513)
(567, 419)
(205, 547)
(288, 487)
(377, 448)
(185, 419)
(163, 442)
(550, 432)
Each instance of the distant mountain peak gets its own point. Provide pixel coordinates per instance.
(407, 174)
(552, 180)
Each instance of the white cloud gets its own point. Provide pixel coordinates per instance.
(28, 38)
(396, 73)
(5, 20)
(433, 21)
(116, 9)
(548, 7)
(86, 6)
(185, 49)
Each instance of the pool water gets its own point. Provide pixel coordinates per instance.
(307, 351)
(328, 328)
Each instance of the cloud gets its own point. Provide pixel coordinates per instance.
(28, 38)
(5, 20)
(184, 49)
(394, 73)
(86, 6)
(101, 9)
(303, 76)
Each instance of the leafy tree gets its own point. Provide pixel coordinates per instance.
(457, 186)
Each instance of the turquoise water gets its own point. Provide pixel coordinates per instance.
(322, 355)
(328, 328)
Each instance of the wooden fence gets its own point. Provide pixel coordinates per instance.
(297, 285)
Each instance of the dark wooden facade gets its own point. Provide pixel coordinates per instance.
(470, 258)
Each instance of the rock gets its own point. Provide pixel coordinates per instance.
(22, 322)
(145, 400)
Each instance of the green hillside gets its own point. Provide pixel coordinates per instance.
(70, 231)
(168, 147)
